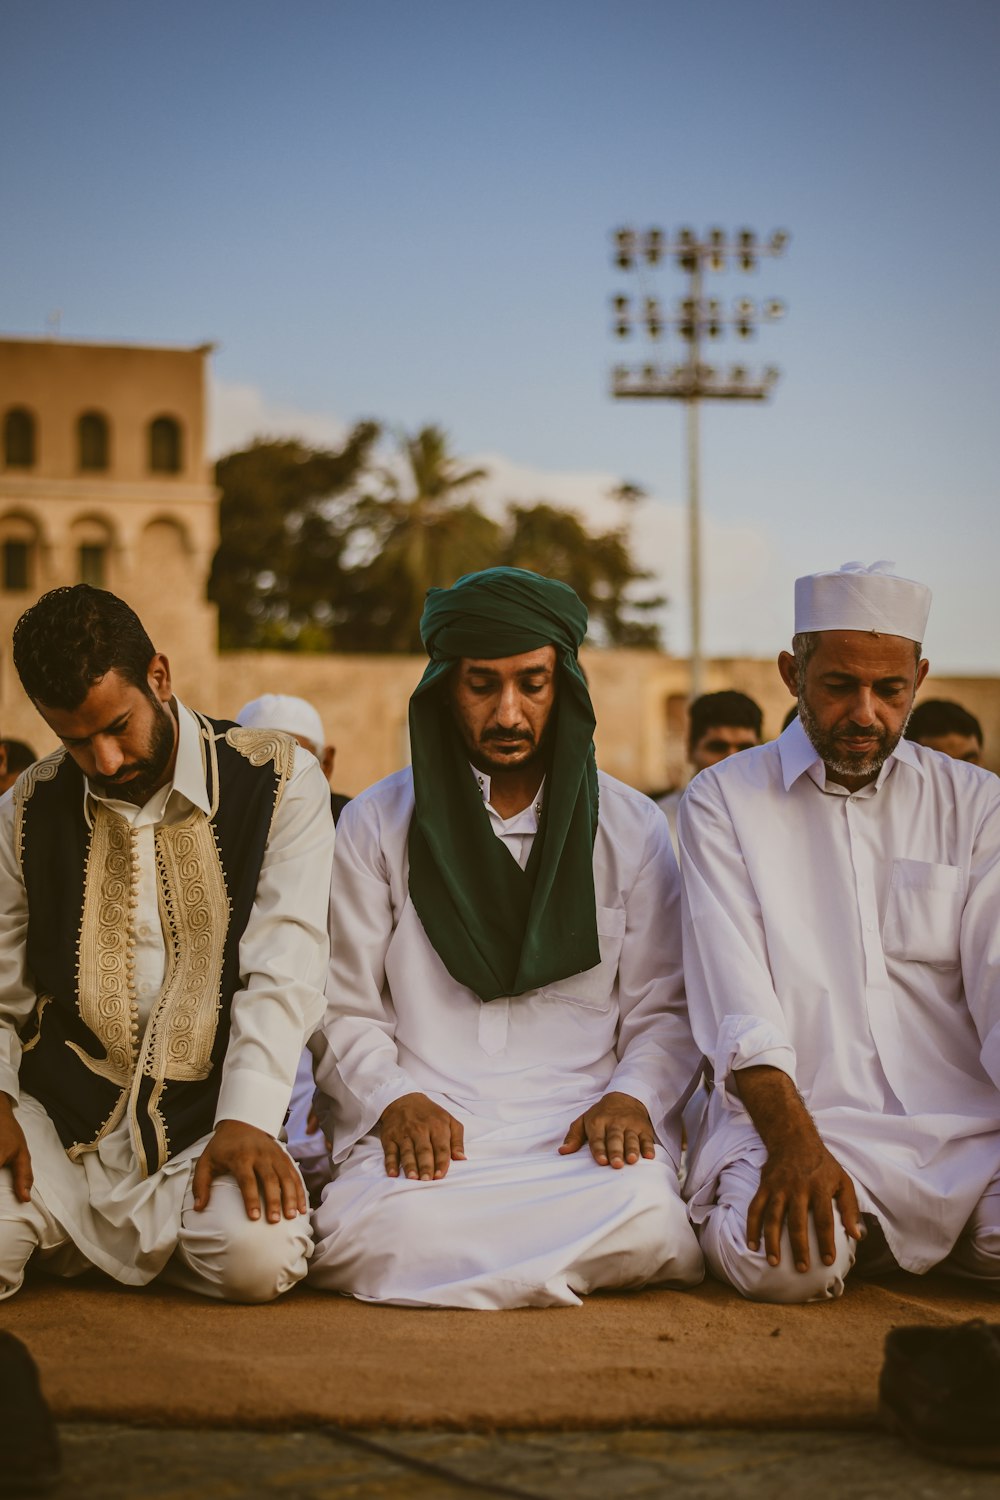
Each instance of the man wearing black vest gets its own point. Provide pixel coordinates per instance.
(163, 894)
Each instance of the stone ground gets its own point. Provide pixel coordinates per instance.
(111, 1462)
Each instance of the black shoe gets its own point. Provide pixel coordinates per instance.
(940, 1391)
(30, 1460)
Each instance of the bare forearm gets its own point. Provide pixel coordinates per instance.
(775, 1106)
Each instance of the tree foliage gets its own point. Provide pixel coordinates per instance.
(333, 550)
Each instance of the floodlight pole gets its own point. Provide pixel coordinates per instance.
(697, 665)
(692, 381)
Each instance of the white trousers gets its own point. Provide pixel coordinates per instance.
(220, 1252)
(724, 1242)
(515, 1225)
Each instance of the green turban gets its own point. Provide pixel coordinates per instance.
(498, 929)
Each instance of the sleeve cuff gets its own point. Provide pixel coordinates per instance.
(749, 1042)
(254, 1098)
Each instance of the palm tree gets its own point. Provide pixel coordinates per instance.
(422, 528)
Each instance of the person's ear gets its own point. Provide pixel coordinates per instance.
(789, 672)
(158, 678)
(327, 759)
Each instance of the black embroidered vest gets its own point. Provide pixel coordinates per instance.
(85, 1058)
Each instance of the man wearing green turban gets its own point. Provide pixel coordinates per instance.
(506, 1050)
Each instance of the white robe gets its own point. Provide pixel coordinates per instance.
(853, 941)
(121, 1221)
(515, 1224)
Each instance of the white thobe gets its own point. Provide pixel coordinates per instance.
(514, 1224)
(851, 939)
(117, 1219)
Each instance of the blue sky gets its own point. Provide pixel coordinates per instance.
(402, 210)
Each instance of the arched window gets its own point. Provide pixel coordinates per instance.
(93, 441)
(92, 539)
(18, 551)
(165, 445)
(19, 438)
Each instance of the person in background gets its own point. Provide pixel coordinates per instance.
(942, 725)
(15, 757)
(297, 717)
(719, 725)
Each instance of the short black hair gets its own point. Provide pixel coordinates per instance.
(939, 716)
(714, 709)
(19, 756)
(71, 637)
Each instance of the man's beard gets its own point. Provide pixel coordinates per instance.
(501, 763)
(145, 774)
(831, 748)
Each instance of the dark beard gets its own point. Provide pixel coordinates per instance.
(148, 771)
(837, 756)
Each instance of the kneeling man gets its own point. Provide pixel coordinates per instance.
(842, 953)
(506, 1051)
(163, 883)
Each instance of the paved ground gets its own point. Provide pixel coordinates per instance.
(108, 1462)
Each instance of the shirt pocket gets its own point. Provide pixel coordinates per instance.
(593, 988)
(923, 918)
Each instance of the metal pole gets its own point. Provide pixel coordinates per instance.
(694, 548)
(694, 488)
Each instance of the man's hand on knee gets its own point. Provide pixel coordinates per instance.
(800, 1176)
(419, 1138)
(14, 1151)
(266, 1175)
(799, 1179)
(618, 1130)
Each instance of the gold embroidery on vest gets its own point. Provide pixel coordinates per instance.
(79, 1148)
(105, 976)
(42, 770)
(194, 910)
(41, 1003)
(261, 745)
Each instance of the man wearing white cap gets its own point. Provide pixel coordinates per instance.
(842, 960)
(299, 718)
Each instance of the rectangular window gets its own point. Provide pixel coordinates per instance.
(92, 564)
(16, 561)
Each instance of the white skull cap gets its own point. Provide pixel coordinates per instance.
(282, 711)
(862, 597)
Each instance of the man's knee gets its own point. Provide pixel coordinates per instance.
(665, 1247)
(729, 1258)
(261, 1261)
(977, 1253)
(225, 1254)
(20, 1235)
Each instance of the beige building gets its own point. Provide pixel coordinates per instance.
(103, 479)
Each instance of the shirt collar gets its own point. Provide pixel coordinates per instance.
(485, 785)
(798, 755)
(189, 769)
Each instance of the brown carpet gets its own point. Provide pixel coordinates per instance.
(676, 1359)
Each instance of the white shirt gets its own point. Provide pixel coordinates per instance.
(397, 1022)
(283, 954)
(852, 940)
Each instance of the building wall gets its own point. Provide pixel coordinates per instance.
(158, 530)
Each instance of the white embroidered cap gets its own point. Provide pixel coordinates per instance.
(860, 597)
(282, 711)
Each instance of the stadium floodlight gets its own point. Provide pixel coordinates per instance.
(694, 319)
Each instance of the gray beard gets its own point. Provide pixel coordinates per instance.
(825, 746)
